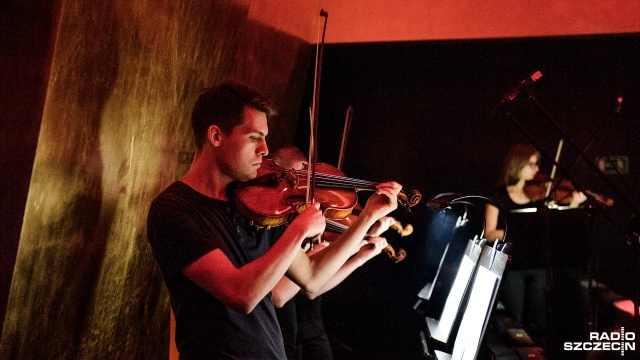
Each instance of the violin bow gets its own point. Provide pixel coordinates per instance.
(553, 169)
(314, 111)
(345, 135)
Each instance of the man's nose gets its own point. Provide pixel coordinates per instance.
(263, 150)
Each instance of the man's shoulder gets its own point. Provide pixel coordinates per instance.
(179, 202)
(181, 193)
(176, 188)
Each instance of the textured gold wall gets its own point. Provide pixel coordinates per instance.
(114, 133)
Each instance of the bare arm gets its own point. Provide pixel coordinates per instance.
(242, 288)
(287, 289)
(312, 273)
(367, 251)
(491, 231)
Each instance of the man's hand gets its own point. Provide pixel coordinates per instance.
(311, 221)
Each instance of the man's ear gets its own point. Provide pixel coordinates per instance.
(214, 135)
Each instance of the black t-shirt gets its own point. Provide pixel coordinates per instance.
(184, 225)
(525, 230)
(309, 312)
(288, 321)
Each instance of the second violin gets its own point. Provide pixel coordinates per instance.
(338, 227)
(560, 191)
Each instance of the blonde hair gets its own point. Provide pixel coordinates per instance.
(517, 158)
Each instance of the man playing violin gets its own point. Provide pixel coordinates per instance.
(219, 269)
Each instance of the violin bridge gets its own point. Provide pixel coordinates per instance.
(292, 176)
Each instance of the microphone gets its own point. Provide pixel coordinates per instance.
(523, 84)
(619, 105)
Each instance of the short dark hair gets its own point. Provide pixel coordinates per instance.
(224, 105)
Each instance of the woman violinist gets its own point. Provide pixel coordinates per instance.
(524, 282)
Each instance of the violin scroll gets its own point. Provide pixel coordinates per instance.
(409, 198)
(393, 255)
(401, 254)
(403, 231)
(336, 228)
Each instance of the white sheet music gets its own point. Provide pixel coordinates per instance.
(442, 329)
(473, 321)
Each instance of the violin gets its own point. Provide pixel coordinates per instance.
(277, 194)
(394, 255)
(562, 190)
(340, 226)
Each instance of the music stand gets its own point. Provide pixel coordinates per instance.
(451, 226)
(460, 330)
(481, 301)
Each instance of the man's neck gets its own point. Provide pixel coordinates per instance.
(207, 180)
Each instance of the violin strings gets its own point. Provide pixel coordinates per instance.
(336, 227)
(335, 180)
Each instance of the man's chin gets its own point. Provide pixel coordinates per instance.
(250, 176)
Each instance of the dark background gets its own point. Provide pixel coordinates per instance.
(427, 115)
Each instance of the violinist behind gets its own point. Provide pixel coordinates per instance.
(219, 269)
(301, 317)
(523, 288)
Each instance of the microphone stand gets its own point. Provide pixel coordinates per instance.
(613, 187)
